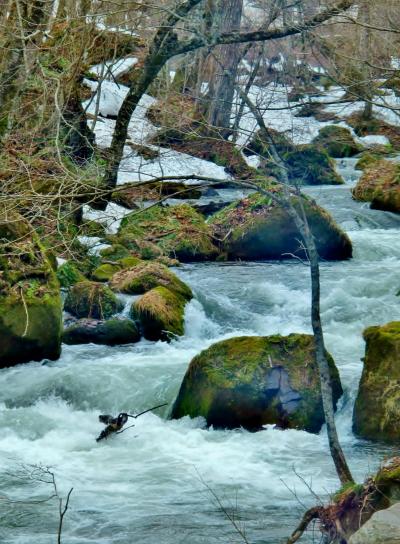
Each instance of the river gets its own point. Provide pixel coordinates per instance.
(165, 481)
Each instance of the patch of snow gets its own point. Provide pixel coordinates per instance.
(374, 139)
(100, 25)
(253, 160)
(113, 68)
(60, 261)
(93, 243)
(111, 217)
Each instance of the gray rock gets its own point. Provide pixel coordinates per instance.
(382, 528)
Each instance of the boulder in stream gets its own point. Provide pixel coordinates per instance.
(176, 231)
(30, 301)
(377, 408)
(92, 299)
(380, 185)
(109, 332)
(147, 275)
(337, 141)
(160, 313)
(251, 381)
(256, 228)
(382, 528)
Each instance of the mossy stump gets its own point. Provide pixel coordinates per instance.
(377, 408)
(252, 381)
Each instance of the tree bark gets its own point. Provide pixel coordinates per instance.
(300, 220)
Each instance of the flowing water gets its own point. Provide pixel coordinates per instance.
(159, 482)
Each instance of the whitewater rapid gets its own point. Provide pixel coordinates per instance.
(152, 483)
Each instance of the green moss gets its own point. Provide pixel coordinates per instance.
(145, 276)
(377, 407)
(337, 141)
(115, 252)
(68, 274)
(160, 313)
(92, 299)
(309, 165)
(346, 490)
(380, 185)
(178, 232)
(257, 228)
(105, 271)
(366, 160)
(237, 382)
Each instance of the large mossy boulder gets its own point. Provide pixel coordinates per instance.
(256, 228)
(380, 185)
(160, 313)
(178, 232)
(147, 275)
(337, 141)
(111, 332)
(251, 381)
(310, 165)
(92, 299)
(377, 408)
(30, 301)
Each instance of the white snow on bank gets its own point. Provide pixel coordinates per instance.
(134, 167)
(111, 217)
(93, 243)
(113, 68)
(374, 139)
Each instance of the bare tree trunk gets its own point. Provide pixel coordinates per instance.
(364, 16)
(222, 65)
(300, 220)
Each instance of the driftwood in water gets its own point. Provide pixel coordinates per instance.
(115, 424)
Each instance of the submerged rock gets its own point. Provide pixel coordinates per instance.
(252, 381)
(256, 228)
(380, 185)
(92, 299)
(337, 141)
(177, 231)
(147, 275)
(30, 302)
(382, 528)
(377, 408)
(160, 313)
(111, 332)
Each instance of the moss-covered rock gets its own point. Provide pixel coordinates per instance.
(147, 275)
(160, 313)
(111, 332)
(92, 299)
(105, 271)
(367, 160)
(380, 185)
(68, 274)
(177, 231)
(261, 147)
(377, 408)
(337, 141)
(114, 252)
(30, 302)
(256, 228)
(251, 381)
(309, 165)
